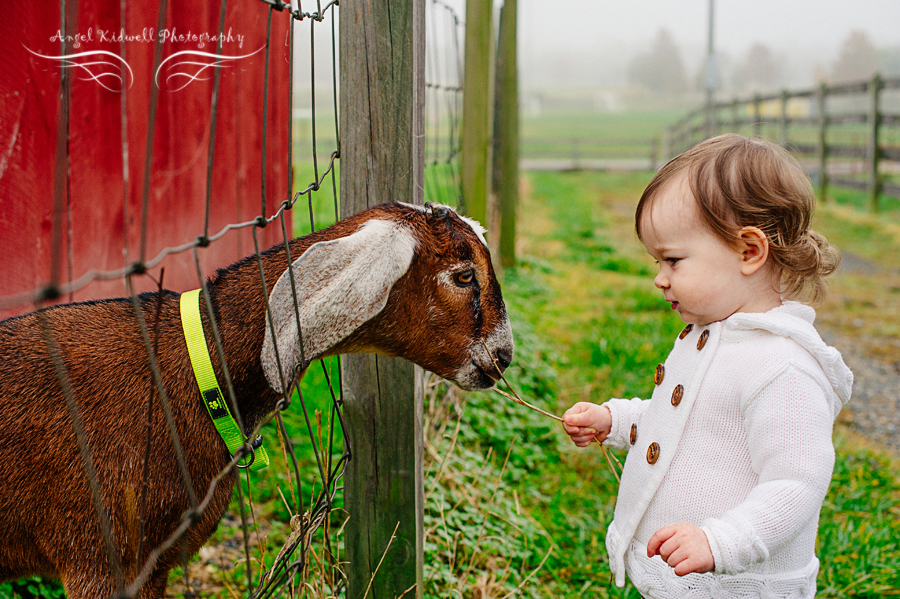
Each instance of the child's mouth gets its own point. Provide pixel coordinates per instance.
(674, 305)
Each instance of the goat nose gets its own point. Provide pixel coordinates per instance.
(504, 358)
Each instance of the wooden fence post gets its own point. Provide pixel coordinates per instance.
(382, 72)
(711, 117)
(821, 146)
(475, 154)
(506, 131)
(735, 120)
(666, 146)
(757, 116)
(873, 121)
(784, 117)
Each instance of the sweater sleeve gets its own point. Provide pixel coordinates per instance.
(789, 427)
(625, 412)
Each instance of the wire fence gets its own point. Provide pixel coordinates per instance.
(443, 103)
(317, 475)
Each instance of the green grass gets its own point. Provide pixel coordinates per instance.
(860, 526)
(888, 206)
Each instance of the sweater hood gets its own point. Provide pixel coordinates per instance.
(794, 321)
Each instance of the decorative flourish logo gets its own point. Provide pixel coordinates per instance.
(103, 71)
(188, 66)
(112, 72)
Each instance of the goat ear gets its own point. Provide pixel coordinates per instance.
(340, 284)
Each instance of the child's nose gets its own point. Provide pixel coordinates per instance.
(661, 281)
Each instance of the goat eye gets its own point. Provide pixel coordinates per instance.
(464, 278)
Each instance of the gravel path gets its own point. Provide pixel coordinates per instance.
(874, 408)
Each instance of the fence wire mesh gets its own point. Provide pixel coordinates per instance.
(313, 479)
(443, 103)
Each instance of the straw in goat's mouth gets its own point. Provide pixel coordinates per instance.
(515, 397)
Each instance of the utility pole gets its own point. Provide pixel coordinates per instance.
(710, 76)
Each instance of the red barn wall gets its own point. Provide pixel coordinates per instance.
(101, 207)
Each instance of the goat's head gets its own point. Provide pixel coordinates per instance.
(409, 281)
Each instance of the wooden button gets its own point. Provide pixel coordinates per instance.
(653, 453)
(703, 337)
(686, 330)
(660, 374)
(677, 394)
(633, 433)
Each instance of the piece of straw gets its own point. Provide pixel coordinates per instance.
(525, 403)
(515, 397)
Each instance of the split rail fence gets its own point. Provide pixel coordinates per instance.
(845, 135)
(587, 153)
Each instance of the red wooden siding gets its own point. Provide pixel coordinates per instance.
(102, 213)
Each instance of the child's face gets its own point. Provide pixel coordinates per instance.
(700, 275)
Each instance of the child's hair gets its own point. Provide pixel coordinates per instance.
(739, 182)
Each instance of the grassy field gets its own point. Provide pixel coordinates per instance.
(552, 133)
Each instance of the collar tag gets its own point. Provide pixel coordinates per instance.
(210, 392)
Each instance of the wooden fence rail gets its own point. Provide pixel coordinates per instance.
(838, 132)
(586, 153)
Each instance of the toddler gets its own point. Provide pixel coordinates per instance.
(729, 461)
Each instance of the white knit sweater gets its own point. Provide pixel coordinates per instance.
(746, 454)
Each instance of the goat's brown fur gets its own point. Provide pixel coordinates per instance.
(48, 524)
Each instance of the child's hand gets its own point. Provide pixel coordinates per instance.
(684, 547)
(586, 420)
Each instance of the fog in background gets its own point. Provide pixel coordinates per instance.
(615, 54)
(570, 46)
(592, 43)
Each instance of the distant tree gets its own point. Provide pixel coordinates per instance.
(890, 61)
(858, 59)
(660, 68)
(758, 70)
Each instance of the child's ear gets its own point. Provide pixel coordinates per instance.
(754, 249)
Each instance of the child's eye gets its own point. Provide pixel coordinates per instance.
(673, 261)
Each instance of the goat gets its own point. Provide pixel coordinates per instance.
(396, 279)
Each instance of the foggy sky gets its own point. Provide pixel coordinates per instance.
(562, 40)
(738, 23)
(566, 44)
